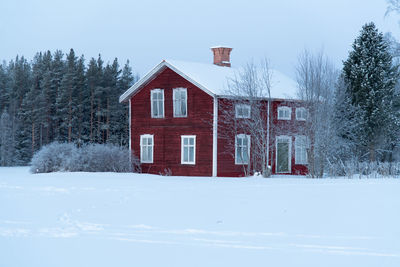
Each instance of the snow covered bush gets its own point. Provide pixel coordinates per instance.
(53, 157)
(104, 158)
(88, 158)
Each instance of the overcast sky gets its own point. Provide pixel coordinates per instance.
(145, 32)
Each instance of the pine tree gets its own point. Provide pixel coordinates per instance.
(4, 89)
(119, 113)
(81, 98)
(94, 78)
(55, 77)
(20, 83)
(65, 99)
(100, 104)
(33, 105)
(7, 140)
(370, 80)
(111, 79)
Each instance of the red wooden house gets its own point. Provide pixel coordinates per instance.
(174, 121)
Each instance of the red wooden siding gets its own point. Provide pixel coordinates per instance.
(226, 143)
(167, 131)
(290, 128)
(226, 148)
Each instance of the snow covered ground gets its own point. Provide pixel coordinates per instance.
(107, 219)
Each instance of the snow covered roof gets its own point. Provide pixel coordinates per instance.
(212, 79)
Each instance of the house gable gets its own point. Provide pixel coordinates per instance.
(167, 131)
(153, 74)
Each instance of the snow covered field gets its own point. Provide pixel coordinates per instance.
(107, 219)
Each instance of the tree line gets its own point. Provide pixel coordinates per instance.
(57, 97)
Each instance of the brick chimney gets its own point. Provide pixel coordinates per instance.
(222, 55)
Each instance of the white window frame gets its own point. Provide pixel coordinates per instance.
(283, 109)
(183, 137)
(179, 89)
(142, 146)
(238, 161)
(300, 146)
(283, 138)
(301, 111)
(243, 107)
(153, 91)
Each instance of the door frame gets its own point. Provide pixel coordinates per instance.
(289, 139)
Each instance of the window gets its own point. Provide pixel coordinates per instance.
(242, 149)
(242, 111)
(284, 113)
(301, 114)
(188, 149)
(157, 103)
(300, 144)
(146, 148)
(180, 102)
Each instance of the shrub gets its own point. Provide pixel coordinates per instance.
(356, 169)
(53, 157)
(89, 158)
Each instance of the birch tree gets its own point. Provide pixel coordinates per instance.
(251, 87)
(316, 79)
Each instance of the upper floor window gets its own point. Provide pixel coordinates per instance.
(300, 149)
(146, 148)
(242, 111)
(242, 149)
(157, 103)
(188, 149)
(180, 102)
(284, 113)
(301, 114)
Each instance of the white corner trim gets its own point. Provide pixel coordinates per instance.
(268, 114)
(130, 131)
(215, 138)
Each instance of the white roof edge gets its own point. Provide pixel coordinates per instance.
(259, 98)
(128, 93)
(124, 97)
(211, 79)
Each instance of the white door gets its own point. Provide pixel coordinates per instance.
(283, 152)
